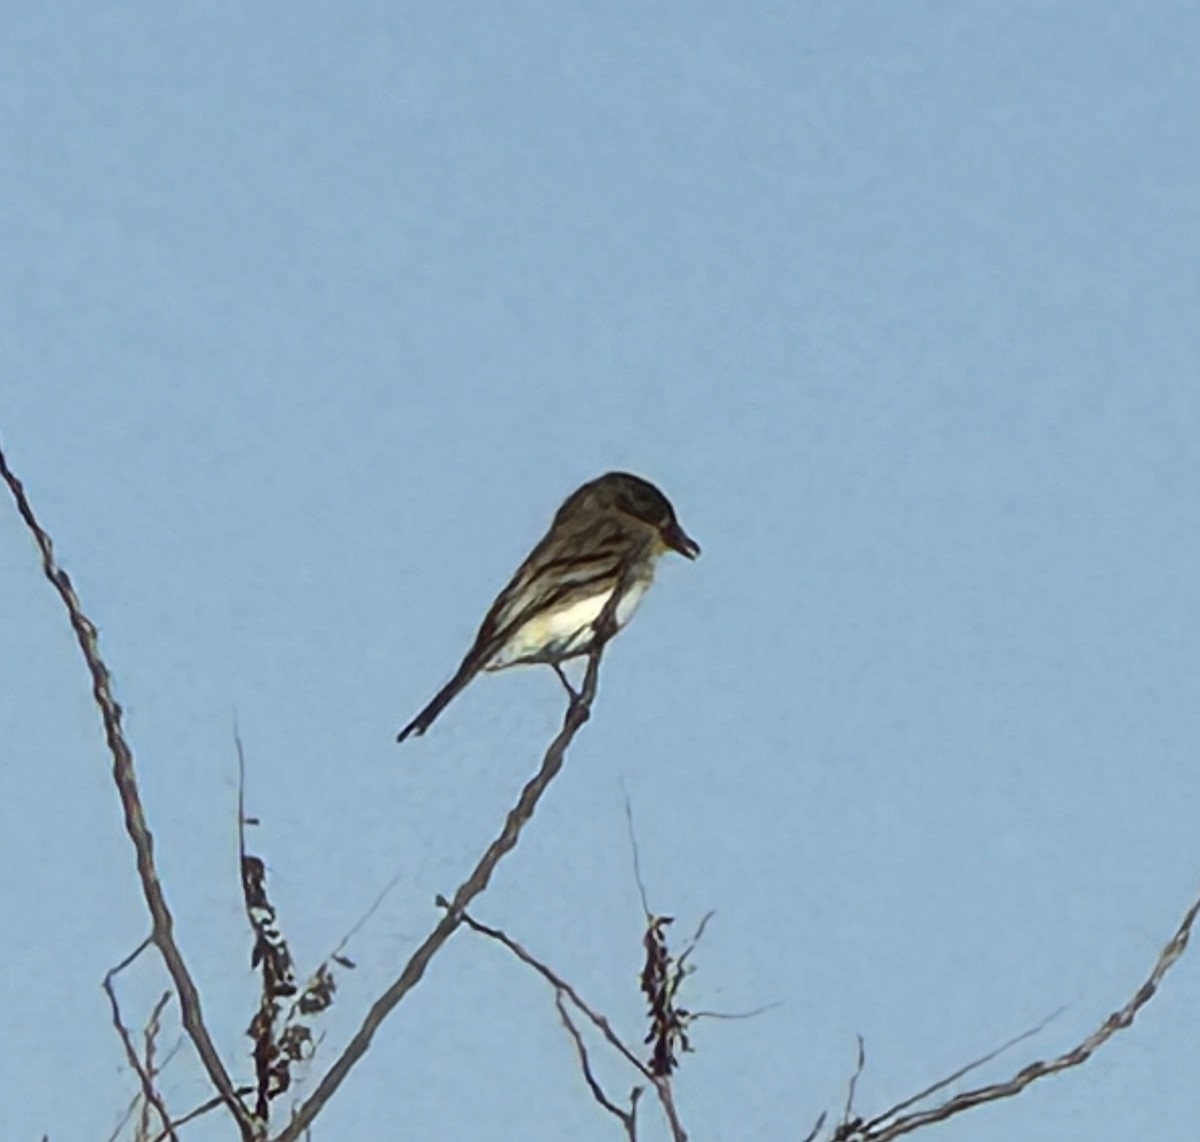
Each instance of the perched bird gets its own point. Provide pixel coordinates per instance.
(606, 536)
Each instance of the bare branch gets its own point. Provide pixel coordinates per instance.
(965, 1069)
(130, 1110)
(633, 848)
(812, 1134)
(628, 1118)
(135, 818)
(336, 955)
(149, 1091)
(150, 1040)
(562, 989)
(139, 1102)
(197, 1112)
(560, 985)
(579, 710)
(848, 1109)
(1118, 1021)
(694, 940)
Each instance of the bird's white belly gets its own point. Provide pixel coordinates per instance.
(566, 631)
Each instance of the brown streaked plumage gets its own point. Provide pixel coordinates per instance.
(608, 533)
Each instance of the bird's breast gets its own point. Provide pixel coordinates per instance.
(565, 631)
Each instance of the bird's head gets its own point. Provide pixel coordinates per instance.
(633, 496)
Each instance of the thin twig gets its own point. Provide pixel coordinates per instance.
(852, 1086)
(561, 985)
(137, 1101)
(365, 918)
(753, 1013)
(203, 1108)
(965, 1069)
(135, 818)
(1118, 1021)
(628, 1118)
(633, 848)
(579, 710)
(694, 942)
(150, 1039)
(149, 1093)
(317, 978)
(661, 1083)
(130, 1110)
(812, 1134)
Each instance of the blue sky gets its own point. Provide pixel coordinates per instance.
(314, 314)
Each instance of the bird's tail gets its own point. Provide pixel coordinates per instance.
(441, 699)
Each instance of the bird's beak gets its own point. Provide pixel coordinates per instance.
(678, 540)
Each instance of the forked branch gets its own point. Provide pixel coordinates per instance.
(162, 923)
(579, 709)
(892, 1123)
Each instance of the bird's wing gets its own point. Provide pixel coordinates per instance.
(561, 569)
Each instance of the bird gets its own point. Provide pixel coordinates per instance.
(606, 537)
